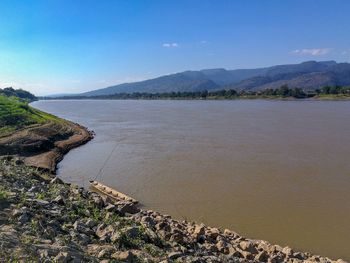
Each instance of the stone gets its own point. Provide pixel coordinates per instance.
(100, 230)
(210, 247)
(115, 236)
(19, 162)
(16, 212)
(262, 245)
(247, 255)
(213, 233)
(43, 253)
(129, 208)
(81, 228)
(132, 232)
(235, 253)
(104, 231)
(199, 230)
(63, 257)
(275, 259)
(287, 251)
(90, 223)
(123, 256)
(152, 235)
(262, 256)
(230, 233)
(98, 200)
(177, 237)
(59, 200)
(56, 180)
(174, 255)
(24, 218)
(106, 252)
(248, 246)
(299, 255)
(110, 208)
(275, 248)
(33, 189)
(106, 200)
(41, 202)
(163, 225)
(222, 247)
(148, 221)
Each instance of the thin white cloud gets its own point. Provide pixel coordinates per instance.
(170, 45)
(312, 51)
(203, 42)
(346, 52)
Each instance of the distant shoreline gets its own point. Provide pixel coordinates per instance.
(315, 98)
(282, 93)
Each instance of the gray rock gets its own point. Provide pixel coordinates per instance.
(110, 208)
(59, 200)
(132, 232)
(248, 246)
(106, 252)
(90, 223)
(115, 236)
(287, 251)
(63, 257)
(24, 218)
(123, 256)
(43, 253)
(129, 208)
(56, 180)
(262, 256)
(98, 200)
(81, 228)
(148, 221)
(174, 255)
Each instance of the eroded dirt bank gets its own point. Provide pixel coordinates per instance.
(45, 145)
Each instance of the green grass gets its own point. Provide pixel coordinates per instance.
(332, 97)
(3, 194)
(17, 114)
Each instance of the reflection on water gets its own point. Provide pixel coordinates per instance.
(274, 170)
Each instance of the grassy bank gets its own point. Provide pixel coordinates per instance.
(332, 97)
(16, 114)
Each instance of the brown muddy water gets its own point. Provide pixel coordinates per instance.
(272, 170)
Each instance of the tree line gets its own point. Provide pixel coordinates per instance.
(282, 92)
(19, 93)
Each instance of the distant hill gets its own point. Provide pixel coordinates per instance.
(308, 75)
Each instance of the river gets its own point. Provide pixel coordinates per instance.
(267, 169)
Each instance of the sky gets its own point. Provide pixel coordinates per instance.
(71, 46)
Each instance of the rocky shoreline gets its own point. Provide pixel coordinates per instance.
(43, 219)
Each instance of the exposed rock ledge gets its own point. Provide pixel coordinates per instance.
(45, 145)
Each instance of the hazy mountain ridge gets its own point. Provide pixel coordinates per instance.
(308, 75)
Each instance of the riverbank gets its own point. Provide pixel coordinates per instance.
(43, 146)
(321, 97)
(43, 217)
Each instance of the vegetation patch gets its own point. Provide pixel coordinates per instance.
(15, 114)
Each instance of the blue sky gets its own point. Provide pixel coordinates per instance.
(71, 46)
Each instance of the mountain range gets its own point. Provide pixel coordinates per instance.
(308, 75)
